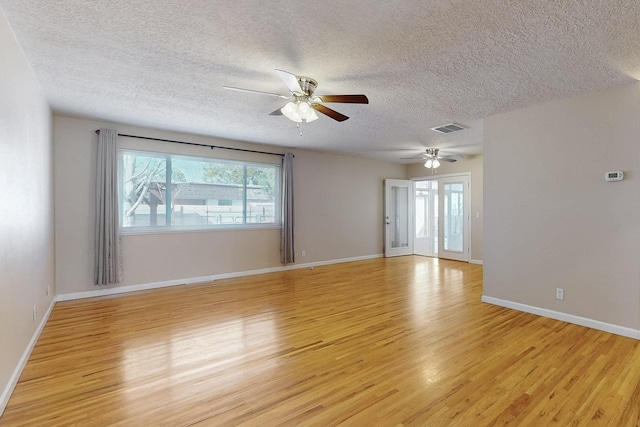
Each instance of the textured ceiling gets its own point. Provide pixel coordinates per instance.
(162, 63)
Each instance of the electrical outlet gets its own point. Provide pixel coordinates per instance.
(303, 253)
(48, 289)
(559, 293)
(35, 312)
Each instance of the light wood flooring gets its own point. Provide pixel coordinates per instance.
(386, 342)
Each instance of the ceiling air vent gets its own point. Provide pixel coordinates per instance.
(448, 128)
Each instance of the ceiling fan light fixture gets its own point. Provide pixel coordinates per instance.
(432, 164)
(290, 110)
(298, 111)
(311, 116)
(306, 111)
(303, 109)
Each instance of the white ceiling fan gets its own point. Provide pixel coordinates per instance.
(432, 158)
(303, 104)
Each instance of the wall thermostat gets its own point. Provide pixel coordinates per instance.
(614, 176)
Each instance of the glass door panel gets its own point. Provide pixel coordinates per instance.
(398, 217)
(453, 230)
(453, 217)
(426, 218)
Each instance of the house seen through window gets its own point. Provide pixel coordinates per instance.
(172, 191)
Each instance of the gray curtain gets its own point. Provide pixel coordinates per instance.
(287, 250)
(108, 266)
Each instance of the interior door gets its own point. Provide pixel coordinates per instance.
(453, 218)
(398, 217)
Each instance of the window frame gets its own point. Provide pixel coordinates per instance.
(169, 158)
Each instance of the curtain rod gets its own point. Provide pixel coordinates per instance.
(197, 145)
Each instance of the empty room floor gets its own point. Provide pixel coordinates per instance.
(385, 342)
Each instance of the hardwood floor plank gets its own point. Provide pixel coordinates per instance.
(392, 342)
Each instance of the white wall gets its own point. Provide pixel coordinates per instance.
(474, 166)
(338, 202)
(26, 207)
(339, 205)
(551, 221)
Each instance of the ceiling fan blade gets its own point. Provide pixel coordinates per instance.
(420, 156)
(277, 112)
(255, 91)
(351, 99)
(329, 112)
(290, 80)
(450, 157)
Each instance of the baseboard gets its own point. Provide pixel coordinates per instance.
(15, 376)
(202, 279)
(565, 317)
(476, 261)
(334, 261)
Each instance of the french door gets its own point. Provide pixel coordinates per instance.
(428, 217)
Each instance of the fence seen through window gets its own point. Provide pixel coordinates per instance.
(171, 191)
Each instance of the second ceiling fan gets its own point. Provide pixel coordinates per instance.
(303, 104)
(432, 158)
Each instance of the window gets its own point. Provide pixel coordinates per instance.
(168, 191)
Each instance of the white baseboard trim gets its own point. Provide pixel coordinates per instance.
(565, 317)
(476, 261)
(15, 376)
(117, 290)
(202, 279)
(333, 261)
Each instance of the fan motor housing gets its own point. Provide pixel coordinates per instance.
(307, 84)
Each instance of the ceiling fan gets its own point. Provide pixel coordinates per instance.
(303, 104)
(433, 158)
